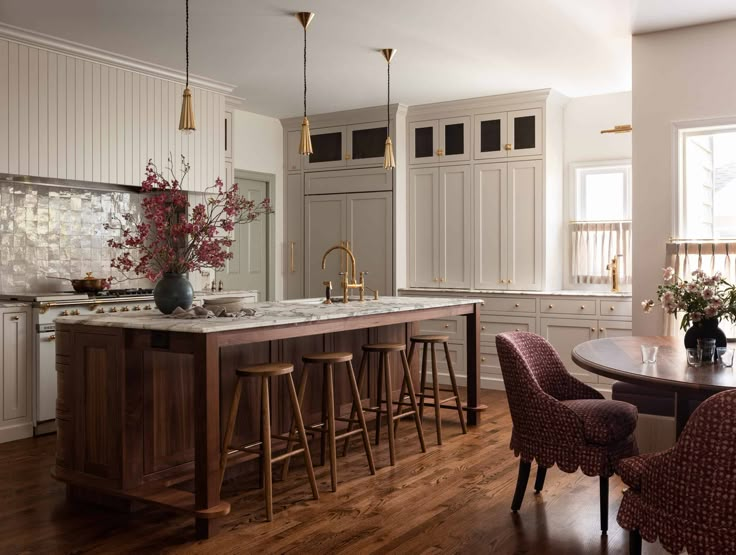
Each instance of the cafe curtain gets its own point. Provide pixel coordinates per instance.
(593, 246)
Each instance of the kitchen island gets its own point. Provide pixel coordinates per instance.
(142, 398)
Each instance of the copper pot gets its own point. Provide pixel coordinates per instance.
(89, 284)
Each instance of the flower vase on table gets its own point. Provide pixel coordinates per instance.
(705, 329)
(173, 291)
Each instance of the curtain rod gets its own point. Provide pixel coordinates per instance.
(600, 221)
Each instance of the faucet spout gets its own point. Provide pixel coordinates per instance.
(349, 253)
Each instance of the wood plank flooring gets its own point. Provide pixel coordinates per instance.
(452, 499)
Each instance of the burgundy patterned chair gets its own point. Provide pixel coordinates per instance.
(560, 420)
(686, 496)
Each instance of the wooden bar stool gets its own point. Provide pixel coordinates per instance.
(429, 341)
(263, 448)
(384, 377)
(327, 427)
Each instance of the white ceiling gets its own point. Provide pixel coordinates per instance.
(446, 49)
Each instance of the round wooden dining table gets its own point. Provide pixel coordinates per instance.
(619, 358)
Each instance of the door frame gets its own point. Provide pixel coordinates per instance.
(270, 180)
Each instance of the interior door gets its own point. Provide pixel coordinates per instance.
(490, 219)
(454, 226)
(248, 269)
(455, 139)
(328, 146)
(424, 142)
(370, 232)
(490, 136)
(424, 264)
(524, 260)
(525, 132)
(366, 144)
(325, 225)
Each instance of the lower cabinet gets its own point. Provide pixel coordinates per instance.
(16, 362)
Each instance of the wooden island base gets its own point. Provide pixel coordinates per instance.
(140, 410)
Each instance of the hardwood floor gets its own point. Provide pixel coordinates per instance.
(452, 499)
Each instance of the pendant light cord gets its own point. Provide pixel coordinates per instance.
(187, 42)
(388, 100)
(305, 71)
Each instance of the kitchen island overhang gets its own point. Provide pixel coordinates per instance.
(142, 396)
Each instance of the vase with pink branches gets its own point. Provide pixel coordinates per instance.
(174, 237)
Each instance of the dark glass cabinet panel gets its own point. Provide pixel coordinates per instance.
(326, 147)
(454, 139)
(490, 135)
(423, 142)
(524, 132)
(368, 143)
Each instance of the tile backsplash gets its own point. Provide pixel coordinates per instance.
(58, 231)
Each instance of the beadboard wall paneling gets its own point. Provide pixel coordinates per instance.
(70, 118)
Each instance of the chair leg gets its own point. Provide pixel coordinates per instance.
(634, 542)
(297, 409)
(293, 430)
(521, 482)
(604, 504)
(379, 395)
(386, 364)
(230, 428)
(358, 409)
(361, 381)
(455, 390)
(329, 376)
(413, 400)
(436, 393)
(266, 433)
(541, 475)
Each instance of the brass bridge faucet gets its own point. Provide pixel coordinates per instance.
(347, 279)
(612, 268)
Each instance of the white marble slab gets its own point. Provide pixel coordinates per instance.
(556, 293)
(267, 314)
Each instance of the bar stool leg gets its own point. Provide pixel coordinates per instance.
(293, 430)
(357, 408)
(403, 389)
(436, 392)
(379, 395)
(386, 364)
(266, 433)
(413, 400)
(329, 376)
(423, 382)
(230, 428)
(323, 437)
(455, 390)
(361, 381)
(296, 408)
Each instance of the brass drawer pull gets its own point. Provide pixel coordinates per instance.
(507, 146)
(292, 268)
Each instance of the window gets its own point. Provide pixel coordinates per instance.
(600, 226)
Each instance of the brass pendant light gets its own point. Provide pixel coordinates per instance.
(186, 120)
(388, 155)
(305, 143)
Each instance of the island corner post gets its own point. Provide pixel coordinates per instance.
(140, 410)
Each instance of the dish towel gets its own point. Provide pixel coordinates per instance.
(199, 312)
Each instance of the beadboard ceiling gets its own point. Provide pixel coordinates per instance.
(446, 50)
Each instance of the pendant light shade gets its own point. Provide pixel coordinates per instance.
(389, 161)
(186, 120)
(305, 142)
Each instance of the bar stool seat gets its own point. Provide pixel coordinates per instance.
(320, 358)
(383, 347)
(263, 448)
(430, 338)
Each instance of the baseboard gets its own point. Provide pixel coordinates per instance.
(14, 432)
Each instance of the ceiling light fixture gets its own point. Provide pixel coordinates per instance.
(186, 120)
(305, 143)
(388, 155)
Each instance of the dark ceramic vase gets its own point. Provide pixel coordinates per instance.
(706, 329)
(173, 290)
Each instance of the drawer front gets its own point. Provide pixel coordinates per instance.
(615, 308)
(490, 327)
(489, 364)
(453, 328)
(510, 304)
(567, 306)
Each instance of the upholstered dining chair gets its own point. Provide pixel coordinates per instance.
(686, 496)
(560, 420)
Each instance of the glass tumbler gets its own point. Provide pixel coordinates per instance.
(693, 357)
(649, 353)
(726, 356)
(708, 349)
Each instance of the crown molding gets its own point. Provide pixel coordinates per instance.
(69, 48)
(346, 117)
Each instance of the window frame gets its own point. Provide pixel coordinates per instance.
(596, 167)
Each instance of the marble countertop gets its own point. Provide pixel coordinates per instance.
(560, 292)
(267, 314)
(206, 294)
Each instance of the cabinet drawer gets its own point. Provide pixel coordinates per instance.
(567, 306)
(489, 328)
(489, 364)
(615, 308)
(510, 304)
(348, 181)
(454, 328)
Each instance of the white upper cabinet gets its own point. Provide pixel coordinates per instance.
(293, 158)
(525, 132)
(490, 217)
(437, 141)
(490, 136)
(508, 134)
(424, 259)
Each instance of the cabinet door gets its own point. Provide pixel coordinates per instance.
(454, 227)
(490, 224)
(370, 232)
(490, 136)
(455, 139)
(15, 365)
(524, 240)
(612, 328)
(328, 149)
(424, 142)
(366, 144)
(294, 266)
(293, 158)
(228, 139)
(525, 132)
(566, 334)
(424, 264)
(325, 227)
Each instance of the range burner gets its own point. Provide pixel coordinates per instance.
(130, 292)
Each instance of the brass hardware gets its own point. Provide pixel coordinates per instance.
(516, 305)
(592, 329)
(348, 279)
(15, 318)
(136, 308)
(611, 308)
(508, 281)
(124, 309)
(582, 307)
(483, 328)
(447, 326)
(74, 313)
(440, 152)
(550, 306)
(92, 307)
(618, 129)
(305, 18)
(114, 309)
(482, 359)
(292, 268)
(507, 146)
(517, 329)
(147, 307)
(600, 330)
(348, 157)
(612, 267)
(52, 338)
(43, 308)
(100, 310)
(64, 313)
(328, 290)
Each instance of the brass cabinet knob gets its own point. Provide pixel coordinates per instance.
(592, 329)
(516, 305)
(136, 307)
(517, 329)
(601, 330)
(100, 310)
(147, 307)
(64, 313)
(440, 152)
(508, 281)
(582, 307)
(483, 328)
(507, 146)
(611, 308)
(447, 326)
(74, 313)
(52, 338)
(550, 306)
(124, 309)
(348, 157)
(15, 318)
(482, 359)
(114, 309)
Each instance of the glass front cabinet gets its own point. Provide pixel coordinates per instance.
(328, 149)
(366, 144)
(353, 145)
(443, 140)
(508, 134)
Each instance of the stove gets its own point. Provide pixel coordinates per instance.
(118, 293)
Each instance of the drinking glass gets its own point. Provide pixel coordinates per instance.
(649, 353)
(708, 349)
(726, 356)
(693, 357)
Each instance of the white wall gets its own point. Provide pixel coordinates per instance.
(678, 75)
(585, 117)
(258, 146)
